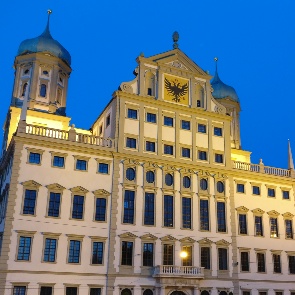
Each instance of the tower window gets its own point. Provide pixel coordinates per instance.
(43, 90)
(26, 71)
(24, 89)
(198, 103)
(149, 91)
(45, 73)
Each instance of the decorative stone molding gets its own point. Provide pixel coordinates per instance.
(222, 243)
(149, 237)
(79, 189)
(258, 211)
(127, 235)
(205, 241)
(187, 240)
(273, 213)
(242, 209)
(101, 193)
(168, 238)
(31, 184)
(288, 215)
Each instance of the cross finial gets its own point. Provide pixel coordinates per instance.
(49, 11)
(216, 61)
(175, 38)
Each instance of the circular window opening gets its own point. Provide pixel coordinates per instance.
(130, 174)
(150, 177)
(168, 179)
(186, 182)
(220, 186)
(45, 72)
(203, 184)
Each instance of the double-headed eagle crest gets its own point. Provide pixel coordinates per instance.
(174, 88)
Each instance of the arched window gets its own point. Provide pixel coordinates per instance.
(220, 186)
(126, 292)
(148, 292)
(186, 182)
(59, 93)
(204, 292)
(222, 293)
(24, 89)
(203, 184)
(130, 174)
(168, 179)
(150, 177)
(43, 90)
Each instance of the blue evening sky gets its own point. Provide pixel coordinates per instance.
(253, 39)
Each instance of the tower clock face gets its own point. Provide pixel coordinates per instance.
(176, 89)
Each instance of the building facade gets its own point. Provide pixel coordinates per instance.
(157, 197)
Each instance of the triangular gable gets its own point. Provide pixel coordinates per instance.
(187, 240)
(127, 236)
(288, 215)
(31, 184)
(205, 241)
(101, 192)
(168, 238)
(273, 213)
(222, 243)
(79, 189)
(55, 186)
(148, 237)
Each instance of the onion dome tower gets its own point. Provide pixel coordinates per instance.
(42, 67)
(227, 96)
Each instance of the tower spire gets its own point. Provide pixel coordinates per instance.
(290, 157)
(47, 28)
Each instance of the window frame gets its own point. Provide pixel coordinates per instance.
(34, 151)
(27, 253)
(129, 143)
(217, 131)
(261, 265)
(132, 113)
(186, 217)
(168, 121)
(202, 128)
(204, 221)
(52, 236)
(74, 238)
(127, 258)
(168, 149)
(151, 118)
(148, 207)
(77, 160)
(185, 125)
(102, 243)
(128, 214)
(168, 211)
(150, 260)
(221, 260)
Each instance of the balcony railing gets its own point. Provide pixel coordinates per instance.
(70, 135)
(178, 271)
(262, 169)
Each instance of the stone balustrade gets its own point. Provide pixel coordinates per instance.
(178, 271)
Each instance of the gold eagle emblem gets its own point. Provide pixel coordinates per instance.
(175, 89)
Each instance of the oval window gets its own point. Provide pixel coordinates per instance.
(150, 177)
(203, 184)
(168, 179)
(45, 73)
(186, 182)
(220, 186)
(130, 174)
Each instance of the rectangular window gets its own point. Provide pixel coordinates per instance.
(186, 125)
(78, 207)
(255, 190)
(29, 202)
(74, 251)
(240, 188)
(131, 143)
(222, 259)
(204, 215)
(202, 155)
(150, 146)
(243, 224)
(168, 149)
(221, 219)
(187, 213)
(271, 192)
(185, 152)
(188, 260)
(132, 114)
(97, 253)
(168, 121)
(246, 293)
(289, 229)
(45, 290)
(205, 257)
(262, 293)
(276, 263)
(103, 168)
(202, 128)
(244, 261)
(50, 250)
(149, 209)
(19, 290)
(108, 120)
(34, 158)
(168, 211)
(127, 253)
(54, 204)
(218, 158)
(151, 118)
(100, 129)
(168, 254)
(81, 165)
(149, 91)
(260, 262)
(291, 264)
(148, 254)
(100, 209)
(71, 291)
(286, 195)
(258, 226)
(58, 162)
(24, 248)
(217, 131)
(95, 291)
(128, 215)
(274, 228)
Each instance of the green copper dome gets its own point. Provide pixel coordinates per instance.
(45, 43)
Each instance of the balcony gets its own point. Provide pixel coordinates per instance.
(174, 271)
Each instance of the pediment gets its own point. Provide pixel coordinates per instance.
(187, 240)
(148, 237)
(101, 193)
(258, 211)
(288, 215)
(222, 243)
(127, 236)
(55, 186)
(168, 238)
(273, 213)
(31, 183)
(79, 189)
(205, 241)
(242, 209)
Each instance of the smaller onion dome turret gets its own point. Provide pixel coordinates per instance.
(45, 43)
(221, 90)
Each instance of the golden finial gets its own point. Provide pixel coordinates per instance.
(216, 58)
(49, 11)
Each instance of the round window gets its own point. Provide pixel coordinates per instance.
(150, 177)
(45, 72)
(203, 184)
(220, 186)
(130, 173)
(168, 179)
(186, 182)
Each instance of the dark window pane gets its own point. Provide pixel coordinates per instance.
(168, 149)
(244, 261)
(54, 204)
(42, 90)
(218, 158)
(243, 224)
(29, 202)
(71, 290)
(202, 155)
(132, 114)
(289, 229)
(74, 251)
(103, 168)
(150, 146)
(240, 188)
(220, 186)
(49, 250)
(260, 262)
(78, 207)
(168, 211)
(169, 179)
(271, 192)
(186, 153)
(95, 291)
(148, 254)
(34, 158)
(131, 143)
(274, 228)
(277, 263)
(81, 165)
(203, 184)
(221, 218)
(149, 209)
(256, 190)
(258, 226)
(19, 290)
(168, 121)
(217, 131)
(127, 253)
(24, 248)
(152, 118)
(128, 216)
(202, 128)
(205, 257)
(97, 253)
(286, 195)
(150, 176)
(100, 209)
(168, 254)
(186, 212)
(58, 161)
(45, 290)
(185, 125)
(292, 265)
(130, 174)
(204, 215)
(186, 181)
(222, 259)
